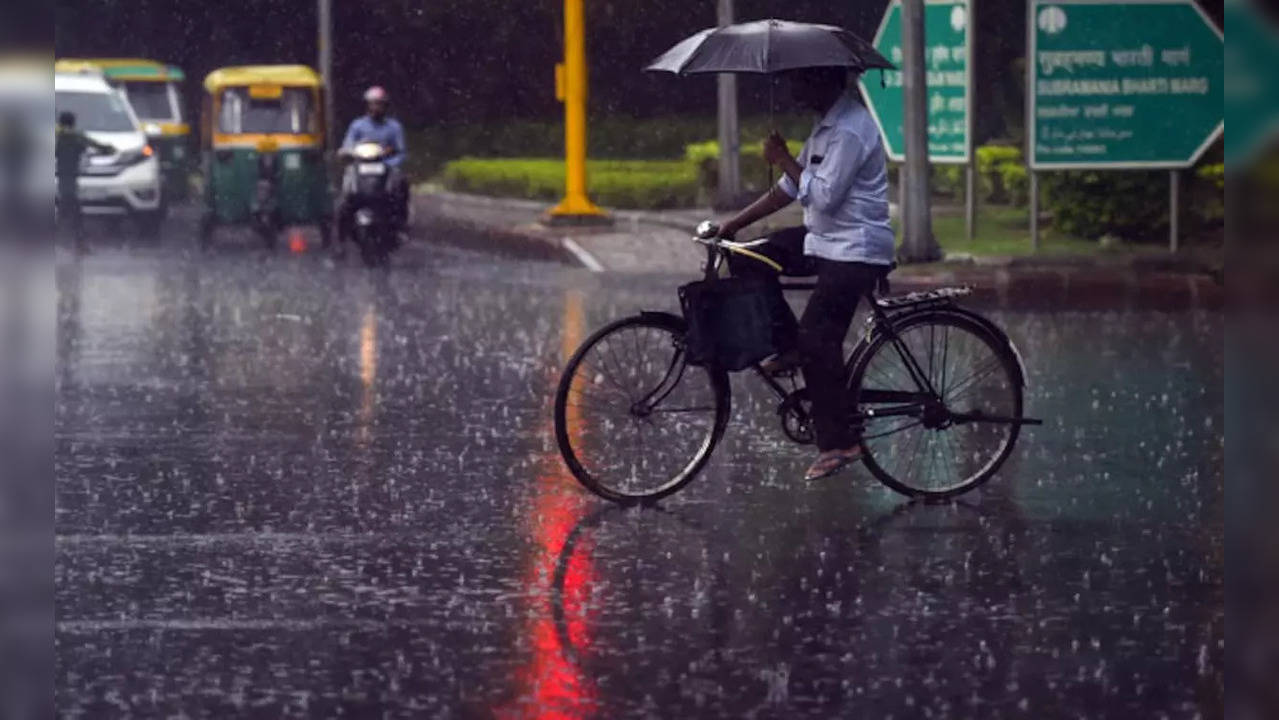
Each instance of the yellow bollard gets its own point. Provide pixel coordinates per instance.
(570, 82)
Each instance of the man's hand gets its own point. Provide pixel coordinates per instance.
(776, 153)
(775, 150)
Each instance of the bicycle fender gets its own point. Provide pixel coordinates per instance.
(995, 331)
(998, 333)
(663, 316)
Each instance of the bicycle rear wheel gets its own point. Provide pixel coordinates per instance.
(919, 447)
(633, 420)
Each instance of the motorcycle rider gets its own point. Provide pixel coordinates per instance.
(375, 126)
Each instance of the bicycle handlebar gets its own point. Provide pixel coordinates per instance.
(707, 234)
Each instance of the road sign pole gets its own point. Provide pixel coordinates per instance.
(1034, 211)
(918, 244)
(970, 203)
(730, 169)
(324, 13)
(1029, 153)
(970, 66)
(1174, 192)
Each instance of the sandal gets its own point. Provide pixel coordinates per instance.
(785, 363)
(831, 462)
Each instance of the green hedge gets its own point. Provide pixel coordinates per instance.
(754, 170)
(1130, 204)
(659, 138)
(1001, 176)
(648, 184)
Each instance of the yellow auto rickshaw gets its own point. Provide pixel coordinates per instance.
(262, 134)
(154, 90)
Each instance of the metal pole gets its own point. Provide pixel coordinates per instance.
(575, 205)
(919, 245)
(1034, 211)
(1174, 193)
(325, 61)
(970, 68)
(970, 202)
(730, 169)
(1030, 126)
(903, 220)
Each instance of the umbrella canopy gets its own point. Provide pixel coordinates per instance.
(768, 46)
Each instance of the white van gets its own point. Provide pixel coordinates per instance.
(127, 180)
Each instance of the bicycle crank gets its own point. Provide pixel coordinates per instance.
(796, 412)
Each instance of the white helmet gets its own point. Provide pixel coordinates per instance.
(375, 94)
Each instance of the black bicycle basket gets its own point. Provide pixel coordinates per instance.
(730, 321)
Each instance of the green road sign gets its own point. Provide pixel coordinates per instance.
(947, 65)
(1134, 84)
(1252, 85)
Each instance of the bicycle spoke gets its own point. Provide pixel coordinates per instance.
(963, 365)
(621, 445)
(984, 370)
(900, 428)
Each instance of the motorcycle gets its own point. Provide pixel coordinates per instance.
(373, 226)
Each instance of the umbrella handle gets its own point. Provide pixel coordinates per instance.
(772, 83)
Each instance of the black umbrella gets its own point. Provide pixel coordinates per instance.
(769, 46)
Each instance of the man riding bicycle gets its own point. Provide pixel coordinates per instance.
(840, 179)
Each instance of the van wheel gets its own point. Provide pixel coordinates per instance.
(207, 226)
(267, 231)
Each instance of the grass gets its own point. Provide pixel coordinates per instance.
(1005, 230)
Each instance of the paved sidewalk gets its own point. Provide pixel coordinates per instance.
(659, 242)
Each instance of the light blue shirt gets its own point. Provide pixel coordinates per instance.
(844, 187)
(386, 131)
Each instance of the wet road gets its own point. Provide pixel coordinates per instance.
(290, 489)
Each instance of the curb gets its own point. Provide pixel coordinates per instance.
(1079, 289)
(500, 241)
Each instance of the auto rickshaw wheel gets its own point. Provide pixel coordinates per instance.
(207, 226)
(268, 231)
(326, 234)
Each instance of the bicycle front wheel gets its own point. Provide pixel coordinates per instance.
(633, 420)
(950, 443)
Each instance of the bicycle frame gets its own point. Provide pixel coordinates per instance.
(715, 257)
(908, 403)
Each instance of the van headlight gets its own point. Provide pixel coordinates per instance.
(133, 157)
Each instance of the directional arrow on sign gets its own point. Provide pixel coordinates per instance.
(946, 60)
(1134, 84)
(1252, 88)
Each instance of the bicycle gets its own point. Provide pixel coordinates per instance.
(907, 402)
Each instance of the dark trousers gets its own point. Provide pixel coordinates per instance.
(69, 209)
(819, 333)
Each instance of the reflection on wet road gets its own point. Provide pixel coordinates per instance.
(288, 489)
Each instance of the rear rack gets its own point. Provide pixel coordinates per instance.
(923, 296)
(890, 303)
